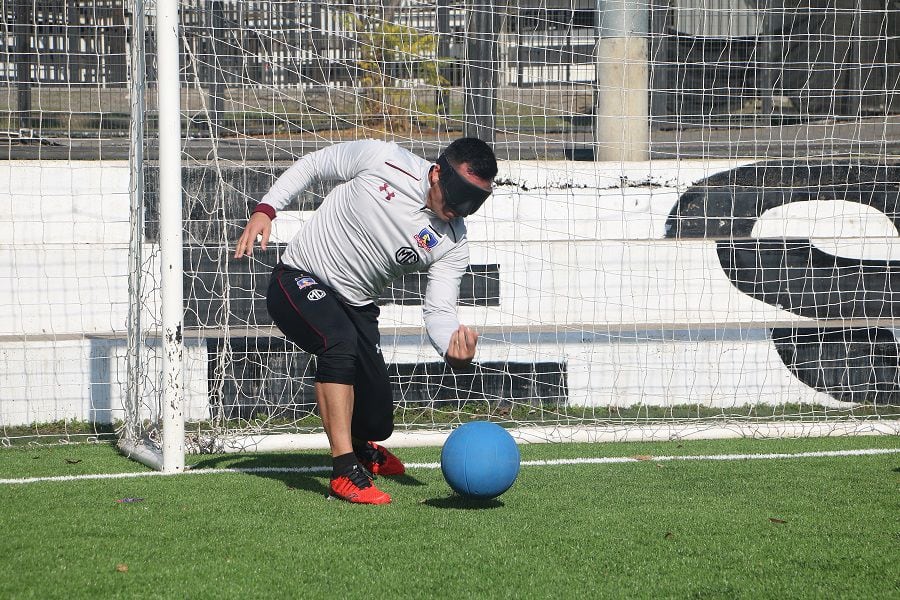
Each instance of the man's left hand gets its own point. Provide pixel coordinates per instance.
(462, 347)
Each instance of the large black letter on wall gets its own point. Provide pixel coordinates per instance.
(849, 363)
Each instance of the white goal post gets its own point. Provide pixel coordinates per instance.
(170, 457)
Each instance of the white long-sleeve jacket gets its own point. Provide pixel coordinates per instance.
(374, 227)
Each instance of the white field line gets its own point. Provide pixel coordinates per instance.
(525, 463)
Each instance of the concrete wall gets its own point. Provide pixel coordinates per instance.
(591, 276)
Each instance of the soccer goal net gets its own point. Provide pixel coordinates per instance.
(694, 231)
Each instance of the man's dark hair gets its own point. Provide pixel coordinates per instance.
(476, 154)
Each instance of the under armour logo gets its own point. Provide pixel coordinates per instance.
(388, 195)
(377, 348)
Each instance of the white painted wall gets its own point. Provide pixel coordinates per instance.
(581, 248)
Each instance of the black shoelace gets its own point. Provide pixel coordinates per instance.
(360, 477)
(370, 454)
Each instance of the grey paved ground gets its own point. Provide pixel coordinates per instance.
(873, 136)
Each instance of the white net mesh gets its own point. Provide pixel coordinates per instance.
(695, 222)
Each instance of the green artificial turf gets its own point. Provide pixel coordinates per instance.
(800, 527)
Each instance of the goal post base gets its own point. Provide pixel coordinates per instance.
(655, 432)
(145, 454)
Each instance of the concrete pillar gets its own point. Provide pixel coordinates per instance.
(443, 52)
(622, 115)
(26, 56)
(215, 11)
(481, 77)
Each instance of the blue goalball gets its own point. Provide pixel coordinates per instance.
(480, 460)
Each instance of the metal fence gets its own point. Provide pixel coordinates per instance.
(709, 59)
(66, 42)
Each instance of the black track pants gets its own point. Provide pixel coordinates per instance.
(345, 340)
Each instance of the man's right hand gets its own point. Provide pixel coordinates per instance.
(258, 225)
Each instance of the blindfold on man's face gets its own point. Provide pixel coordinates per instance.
(461, 195)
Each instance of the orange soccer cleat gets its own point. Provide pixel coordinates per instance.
(356, 486)
(379, 460)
